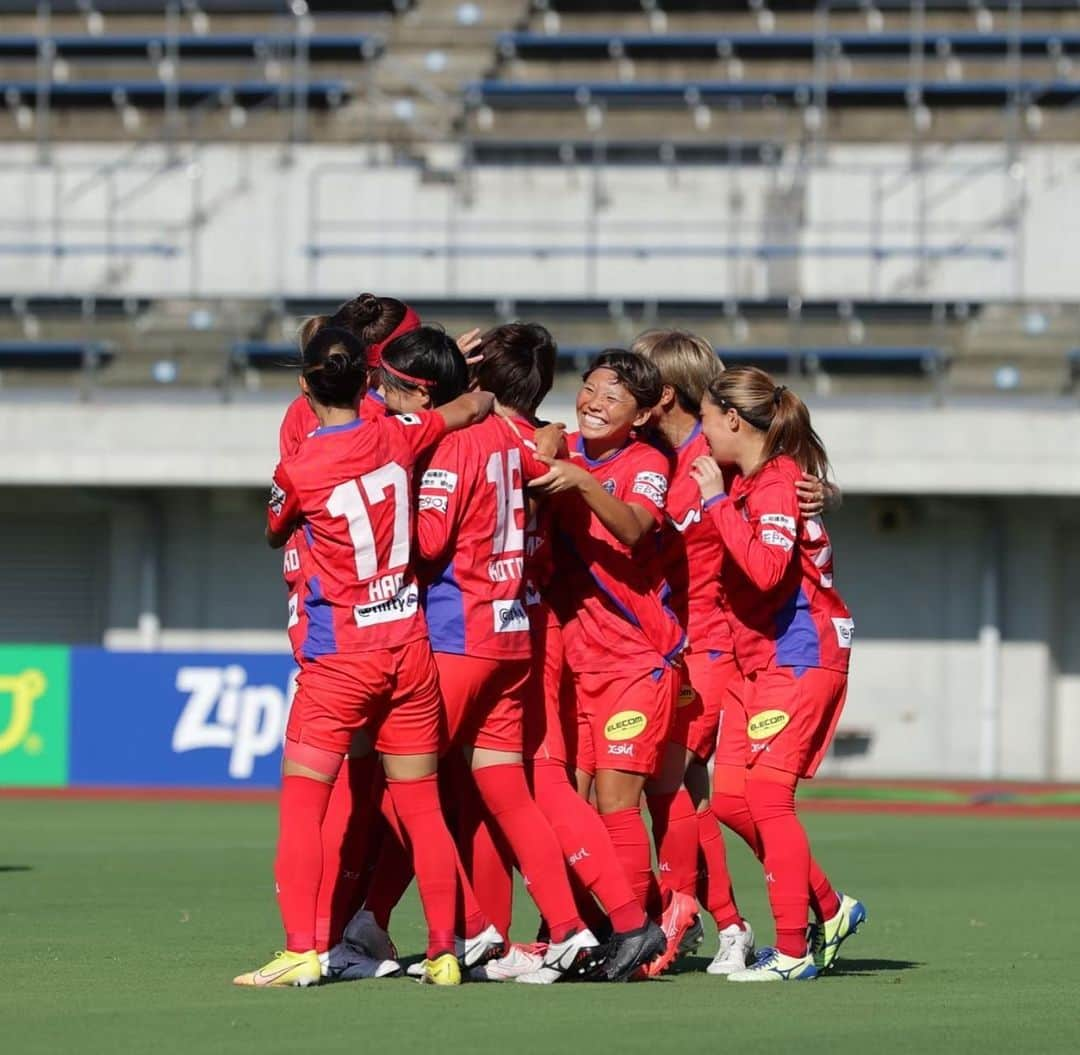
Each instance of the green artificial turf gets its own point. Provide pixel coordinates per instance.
(122, 923)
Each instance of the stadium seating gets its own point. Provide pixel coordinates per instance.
(155, 94)
(318, 47)
(53, 355)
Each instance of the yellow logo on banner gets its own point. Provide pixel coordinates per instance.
(767, 724)
(625, 725)
(25, 689)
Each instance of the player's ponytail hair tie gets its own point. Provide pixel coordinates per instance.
(777, 393)
(334, 351)
(420, 382)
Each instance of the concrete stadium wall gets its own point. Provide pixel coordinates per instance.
(186, 568)
(239, 219)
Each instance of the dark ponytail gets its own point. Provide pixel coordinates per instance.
(335, 367)
(775, 410)
(370, 318)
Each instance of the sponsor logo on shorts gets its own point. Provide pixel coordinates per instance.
(510, 617)
(686, 696)
(621, 750)
(625, 725)
(767, 724)
(776, 538)
(439, 480)
(401, 605)
(652, 486)
(436, 502)
(845, 631)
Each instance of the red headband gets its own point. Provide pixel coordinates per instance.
(420, 382)
(410, 321)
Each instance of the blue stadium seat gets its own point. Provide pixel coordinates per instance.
(578, 46)
(59, 249)
(212, 7)
(880, 362)
(264, 355)
(668, 94)
(320, 46)
(155, 95)
(53, 355)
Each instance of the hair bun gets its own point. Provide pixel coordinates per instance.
(368, 308)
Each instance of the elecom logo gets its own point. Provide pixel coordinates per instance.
(223, 711)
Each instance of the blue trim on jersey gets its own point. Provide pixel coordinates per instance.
(797, 641)
(601, 461)
(444, 607)
(329, 430)
(309, 535)
(320, 639)
(694, 433)
(715, 654)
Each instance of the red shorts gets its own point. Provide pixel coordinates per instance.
(732, 743)
(393, 694)
(483, 699)
(706, 677)
(549, 694)
(791, 716)
(624, 719)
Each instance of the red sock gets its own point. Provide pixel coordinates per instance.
(505, 794)
(631, 844)
(298, 865)
(734, 811)
(719, 897)
(824, 899)
(675, 831)
(586, 844)
(416, 803)
(487, 862)
(787, 860)
(346, 828)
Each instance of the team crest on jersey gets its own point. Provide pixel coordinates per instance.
(609, 486)
(652, 486)
(277, 499)
(845, 631)
(409, 419)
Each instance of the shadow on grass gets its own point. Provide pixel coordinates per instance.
(862, 967)
(15, 868)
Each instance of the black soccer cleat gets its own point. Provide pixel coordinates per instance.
(633, 949)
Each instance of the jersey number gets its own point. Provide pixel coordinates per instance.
(509, 499)
(346, 501)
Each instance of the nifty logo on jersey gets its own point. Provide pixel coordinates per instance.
(33, 716)
(178, 719)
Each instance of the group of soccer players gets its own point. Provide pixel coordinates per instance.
(513, 638)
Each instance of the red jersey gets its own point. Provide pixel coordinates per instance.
(350, 488)
(611, 599)
(777, 574)
(693, 550)
(300, 420)
(471, 533)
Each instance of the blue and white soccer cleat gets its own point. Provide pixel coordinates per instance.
(826, 938)
(772, 965)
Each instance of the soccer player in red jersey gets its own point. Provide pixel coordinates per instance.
(792, 634)
(365, 662)
(518, 366)
(470, 532)
(375, 322)
(621, 642)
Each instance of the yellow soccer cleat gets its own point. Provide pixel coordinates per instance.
(443, 970)
(286, 968)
